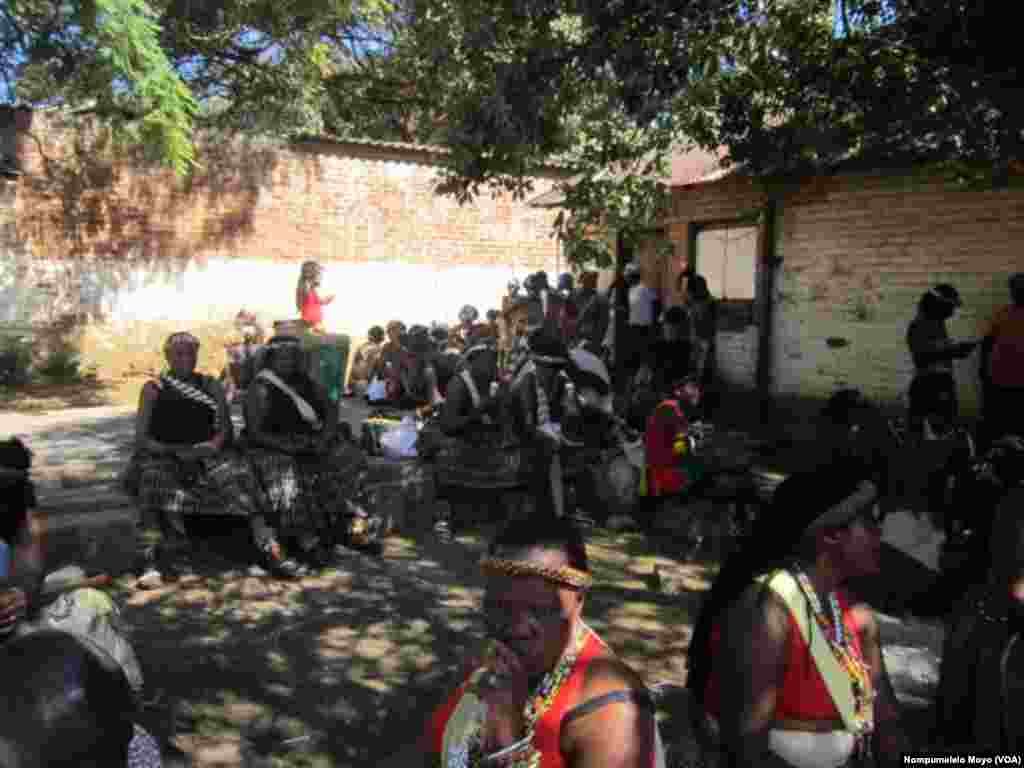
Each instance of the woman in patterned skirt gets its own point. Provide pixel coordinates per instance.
(309, 474)
(187, 465)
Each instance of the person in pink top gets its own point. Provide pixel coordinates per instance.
(1003, 366)
(309, 303)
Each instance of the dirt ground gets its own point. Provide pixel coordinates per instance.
(340, 669)
(89, 393)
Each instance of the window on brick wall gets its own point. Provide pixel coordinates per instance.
(726, 255)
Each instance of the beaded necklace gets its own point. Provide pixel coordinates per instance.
(839, 640)
(536, 705)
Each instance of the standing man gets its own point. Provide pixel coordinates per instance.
(1003, 366)
(592, 321)
(933, 400)
(644, 308)
(703, 312)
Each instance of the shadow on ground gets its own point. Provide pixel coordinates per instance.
(341, 669)
(39, 397)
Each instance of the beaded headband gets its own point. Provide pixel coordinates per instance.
(564, 575)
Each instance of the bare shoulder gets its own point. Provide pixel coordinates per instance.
(606, 674)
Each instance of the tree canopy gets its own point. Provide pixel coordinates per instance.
(159, 69)
(607, 88)
(612, 87)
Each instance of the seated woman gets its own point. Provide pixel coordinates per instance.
(187, 464)
(365, 361)
(421, 382)
(30, 602)
(785, 669)
(546, 418)
(981, 681)
(310, 475)
(470, 449)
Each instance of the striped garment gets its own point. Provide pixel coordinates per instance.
(170, 490)
(304, 494)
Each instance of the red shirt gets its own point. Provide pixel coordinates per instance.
(803, 695)
(1006, 365)
(547, 734)
(312, 309)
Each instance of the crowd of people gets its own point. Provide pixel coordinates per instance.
(785, 664)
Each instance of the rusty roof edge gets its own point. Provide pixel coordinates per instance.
(435, 150)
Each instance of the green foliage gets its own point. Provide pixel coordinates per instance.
(15, 360)
(129, 39)
(62, 366)
(612, 88)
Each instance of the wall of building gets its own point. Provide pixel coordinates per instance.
(108, 238)
(857, 252)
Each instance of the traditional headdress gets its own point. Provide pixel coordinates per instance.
(468, 314)
(564, 575)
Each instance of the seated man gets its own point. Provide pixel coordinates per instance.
(981, 682)
(310, 475)
(547, 691)
(186, 464)
(365, 361)
(394, 365)
(65, 705)
(29, 602)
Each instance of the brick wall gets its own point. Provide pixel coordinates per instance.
(104, 235)
(857, 251)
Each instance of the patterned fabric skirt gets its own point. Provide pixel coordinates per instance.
(170, 489)
(479, 459)
(307, 494)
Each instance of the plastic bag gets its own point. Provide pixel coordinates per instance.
(376, 391)
(400, 442)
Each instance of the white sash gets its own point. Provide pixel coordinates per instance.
(306, 411)
(837, 681)
(474, 393)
